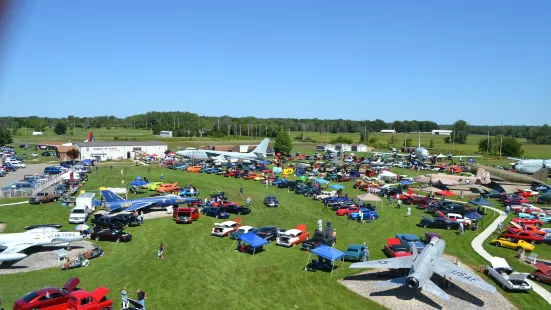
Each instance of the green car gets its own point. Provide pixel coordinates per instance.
(154, 185)
(354, 252)
(331, 177)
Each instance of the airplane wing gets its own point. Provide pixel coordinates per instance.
(12, 251)
(447, 182)
(513, 158)
(391, 263)
(434, 289)
(445, 268)
(140, 205)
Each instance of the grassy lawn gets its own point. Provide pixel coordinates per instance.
(200, 267)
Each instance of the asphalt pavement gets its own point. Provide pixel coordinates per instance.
(18, 175)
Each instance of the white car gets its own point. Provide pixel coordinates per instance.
(16, 163)
(506, 277)
(324, 195)
(459, 218)
(292, 237)
(225, 228)
(242, 230)
(34, 155)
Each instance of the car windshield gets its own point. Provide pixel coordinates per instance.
(352, 250)
(29, 297)
(78, 211)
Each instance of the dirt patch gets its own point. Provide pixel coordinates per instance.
(2, 227)
(402, 298)
(43, 257)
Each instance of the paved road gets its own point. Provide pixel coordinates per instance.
(15, 176)
(479, 240)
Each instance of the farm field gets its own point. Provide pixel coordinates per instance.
(204, 271)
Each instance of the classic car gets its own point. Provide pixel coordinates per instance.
(324, 237)
(83, 300)
(428, 237)
(217, 212)
(166, 187)
(455, 217)
(522, 221)
(292, 237)
(527, 208)
(225, 228)
(47, 297)
(235, 208)
(527, 193)
(116, 235)
(344, 179)
(43, 197)
(409, 240)
(529, 228)
(514, 244)
(250, 176)
(438, 222)
(185, 215)
(367, 214)
(324, 194)
(345, 211)
(354, 252)
(271, 201)
(154, 185)
(269, 233)
(418, 201)
(542, 273)
(229, 174)
(506, 277)
(186, 192)
(103, 221)
(523, 235)
(194, 168)
(242, 230)
(396, 248)
(126, 218)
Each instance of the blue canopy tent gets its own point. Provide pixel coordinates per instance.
(138, 183)
(474, 216)
(406, 182)
(337, 186)
(322, 181)
(480, 201)
(251, 239)
(329, 253)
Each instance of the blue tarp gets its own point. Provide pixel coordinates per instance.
(252, 239)
(322, 181)
(474, 216)
(138, 183)
(328, 252)
(87, 162)
(481, 202)
(406, 182)
(337, 186)
(264, 162)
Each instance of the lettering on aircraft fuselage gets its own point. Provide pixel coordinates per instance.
(464, 275)
(60, 234)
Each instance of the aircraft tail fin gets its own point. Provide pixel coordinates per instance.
(434, 289)
(483, 176)
(90, 137)
(262, 147)
(392, 282)
(541, 175)
(110, 196)
(414, 249)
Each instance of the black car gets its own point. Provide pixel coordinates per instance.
(269, 233)
(492, 194)
(271, 201)
(438, 222)
(102, 221)
(319, 238)
(46, 154)
(116, 235)
(455, 208)
(126, 218)
(236, 209)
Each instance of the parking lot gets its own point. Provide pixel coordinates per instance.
(18, 175)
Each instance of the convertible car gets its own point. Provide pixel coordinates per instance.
(513, 244)
(506, 277)
(47, 297)
(111, 235)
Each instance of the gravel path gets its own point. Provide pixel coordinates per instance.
(44, 257)
(397, 298)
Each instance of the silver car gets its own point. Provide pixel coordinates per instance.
(506, 277)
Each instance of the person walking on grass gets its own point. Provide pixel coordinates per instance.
(162, 178)
(161, 251)
(461, 228)
(499, 228)
(366, 253)
(399, 203)
(241, 191)
(124, 297)
(142, 296)
(409, 211)
(248, 202)
(320, 225)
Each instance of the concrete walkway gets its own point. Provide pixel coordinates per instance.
(13, 203)
(479, 240)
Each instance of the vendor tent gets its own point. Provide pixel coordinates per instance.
(337, 186)
(329, 253)
(369, 197)
(473, 215)
(481, 202)
(251, 239)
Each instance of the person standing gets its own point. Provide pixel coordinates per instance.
(162, 178)
(507, 210)
(499, 228)
(241, 191)
(320, 225)
(124, 297)
(148, 169)
(161, 251)
(142, 296)
(366, 253)
(360, 216)
(97, 169)
(122, 172)
(409, 211)
(461, 228)
(191, 191)
(390, 200)
(249, 202)
(399, 203)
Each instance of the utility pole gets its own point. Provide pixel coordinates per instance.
(453, 140)
(500, 146)
(219, 124)
(365, 135)
(249, 130)
(488, 144)
(229, 129)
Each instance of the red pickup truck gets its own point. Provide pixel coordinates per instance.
(185, 215)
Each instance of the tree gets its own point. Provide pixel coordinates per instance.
(391, 140)
(73, 153)
(372, 141)
(283, 143)
(461, 131)
(511, 147)
(499, 145)
(431, 144)
(342, 139)
(5, 136)
(60, 128)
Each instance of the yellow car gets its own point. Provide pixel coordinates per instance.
(515, 245)
(154, 185)
(259, 178)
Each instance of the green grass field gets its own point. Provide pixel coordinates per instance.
(204, 272)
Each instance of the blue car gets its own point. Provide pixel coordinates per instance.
(185, 192)
(354, 252)
(366, 215)
(410, 239)
(219, 213)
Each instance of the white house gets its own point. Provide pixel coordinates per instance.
(388, 131)
(165, 134)
(117, 150)
(359, 148)
(442, 132)
(325, 148)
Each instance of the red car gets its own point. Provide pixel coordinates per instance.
(522, 221)
(527, 236)
(83, 300)
(542, 274)
(528, 228)
(417, 200)
(344, 179)
(229, 174)
(395, 248)
(38, 299)
(347, 211)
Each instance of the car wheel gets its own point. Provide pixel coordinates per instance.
(217, 216)
(533, 242)
(118, 240)
(97, 238)
(448, 227)
(425, 225)
(40, 202)
(372, 217)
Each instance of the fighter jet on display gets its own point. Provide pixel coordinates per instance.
(36, 236)
(422, 266)
(115, 203)
(482, 178)
(258, 154)
(530, 166)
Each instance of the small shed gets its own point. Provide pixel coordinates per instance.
(359, 148)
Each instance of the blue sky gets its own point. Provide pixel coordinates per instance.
(488, 62)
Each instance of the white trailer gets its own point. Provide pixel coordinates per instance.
(87, 201)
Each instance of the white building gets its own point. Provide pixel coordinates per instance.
(388, 131)
(442, 132)
(118, 150)
(38, 133)
(359, 148)
(325, 148)
(165, 134)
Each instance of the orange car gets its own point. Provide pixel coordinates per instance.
(250, 176)
(194, 168)
(167, 187)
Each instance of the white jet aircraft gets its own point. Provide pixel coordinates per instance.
(257, 154)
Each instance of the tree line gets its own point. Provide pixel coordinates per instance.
(186, 124)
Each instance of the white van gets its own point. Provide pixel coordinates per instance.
(78, 215)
